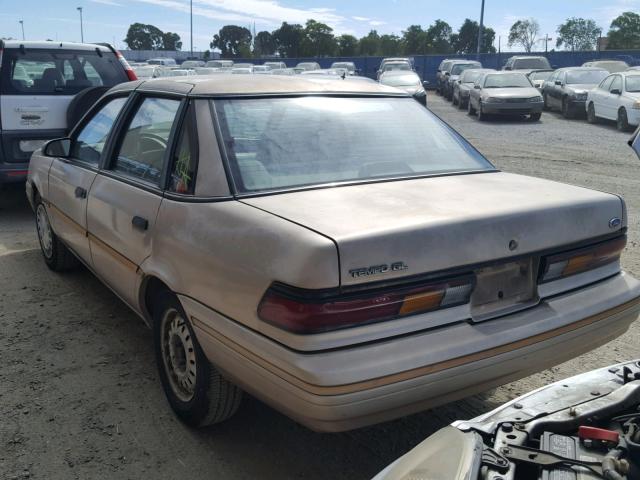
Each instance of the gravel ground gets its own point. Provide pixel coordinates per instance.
(80, 396)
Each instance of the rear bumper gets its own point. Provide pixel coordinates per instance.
(512, 108)
(14, 165)
(346, 388)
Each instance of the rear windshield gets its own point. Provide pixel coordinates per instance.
(408, 80)
(458, 68)
(539, 75)
(58, 72)
(470, 76)
(524, 63)
(589, 77)
(506, 80)
(633, 83)
(280, 143)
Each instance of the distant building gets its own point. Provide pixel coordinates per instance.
(602, 43)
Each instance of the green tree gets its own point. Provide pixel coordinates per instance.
(466, 40)
(524, 32)
(206, 55)
(578, 34)
(233, 41)
(171, 41)
(370, 44)
(288, 39)
(318, 40)
(414, 40)
(439, 37)
(390, 45)
(144, 37)
(624, 33)
(347, 45)
(264, 45)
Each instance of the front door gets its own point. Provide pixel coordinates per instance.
(126, 195)
(70, 179)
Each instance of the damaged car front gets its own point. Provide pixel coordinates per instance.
(585, 427)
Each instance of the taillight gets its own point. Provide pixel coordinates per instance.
(306, 314)
(581, 260)
(131, 75)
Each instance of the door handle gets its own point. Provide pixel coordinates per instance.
(140, 223)
(80, 192)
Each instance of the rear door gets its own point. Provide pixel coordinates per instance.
(612, 102)
(600, 95)
(126, 195)
(36, 87)
(70, 179)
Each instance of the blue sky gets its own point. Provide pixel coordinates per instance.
(108, 20)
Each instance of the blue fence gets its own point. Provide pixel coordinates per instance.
(426, 65)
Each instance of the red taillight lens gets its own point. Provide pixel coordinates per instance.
(305, 314)
(581, 260)
(131, 75)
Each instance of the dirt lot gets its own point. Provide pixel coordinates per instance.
(79, 393)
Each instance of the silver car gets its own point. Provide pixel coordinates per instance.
(464, 84)
(453, 75)
(329, 246)
(504, 93)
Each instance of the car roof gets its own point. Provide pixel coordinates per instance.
(251, 85)
(53, 45)
(590, 69)
(516, 57)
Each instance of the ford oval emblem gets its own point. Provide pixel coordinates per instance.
(615, 222)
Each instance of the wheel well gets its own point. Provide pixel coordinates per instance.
(151, 288)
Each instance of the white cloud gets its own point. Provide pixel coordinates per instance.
(362, 19)
(376, 23)
(107, 2)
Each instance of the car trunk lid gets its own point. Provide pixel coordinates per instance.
(395, 229)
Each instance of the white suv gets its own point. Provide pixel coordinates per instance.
(45, 87)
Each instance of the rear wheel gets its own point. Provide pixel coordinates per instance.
(196, 391)
(481, 115)
(546, 102)
(567, 111)
(623, 121)
(454, 100)
(56, 255)
(461, 104)
(470, 109)
(591, 114)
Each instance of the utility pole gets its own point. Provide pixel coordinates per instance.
(81, 26)
(480, 29)
(191, 24)
(546, 42)
(21, 22)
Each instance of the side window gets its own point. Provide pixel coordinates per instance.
(616, 83)
(89, 143)
(606, 83)
(185, 159)
(141, 151)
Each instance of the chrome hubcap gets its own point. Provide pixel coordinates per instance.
(44, 231)
(178, 354)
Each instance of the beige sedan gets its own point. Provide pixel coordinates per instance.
(332, 248)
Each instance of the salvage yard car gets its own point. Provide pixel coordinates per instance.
(408, 81)
(454, 74)
(527, 62)
(504, 93)
(464, 85)
(567, 89)
(329, 246)
(616, 98)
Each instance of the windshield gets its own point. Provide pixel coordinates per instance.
(408, 80)
(539, 75)
(144, 71)
(346, 65)
(524, 63)
(470, 76)
(507, 80)
(589, 77)
(633, 83)
(612, 67)
(459, 68)
(396, 66)
(280, 143)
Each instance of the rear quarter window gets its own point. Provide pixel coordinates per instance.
(57, 72)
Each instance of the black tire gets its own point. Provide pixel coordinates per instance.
(623, 121)
(461, 104)
(55, 253)
(545, 105)
(213, 399)
(567, 111)
(591, 114)
(481, 115)
(81, 103)
(534, 117)
(470, 109)
(454, 100)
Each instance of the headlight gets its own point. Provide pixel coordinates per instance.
(581, 96)
(535, 99)
(636, 105)
(495, 100)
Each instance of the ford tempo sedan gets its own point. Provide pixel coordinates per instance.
(332, 248)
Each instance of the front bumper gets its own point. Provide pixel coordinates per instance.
(524, 108)
(352, 387)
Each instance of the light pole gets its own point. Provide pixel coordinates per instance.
(21, 22)
(480, 29)
(81, 28)
(191, 23)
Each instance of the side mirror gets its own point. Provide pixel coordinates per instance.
(438, 71)
(59, 147)
(616, 91)
(459, 81)
(507, 68)
(477, 87)
(425, 83)
(558, 82)
(447, 73)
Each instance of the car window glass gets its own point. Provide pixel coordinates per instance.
(89, 143)
(185, 159)
(616, 83)
(142, 150)
(606, 83)
(633, 83)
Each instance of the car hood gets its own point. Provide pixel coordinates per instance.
(411, 89)
(433, 224)
(579, 88)
(512, 92)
